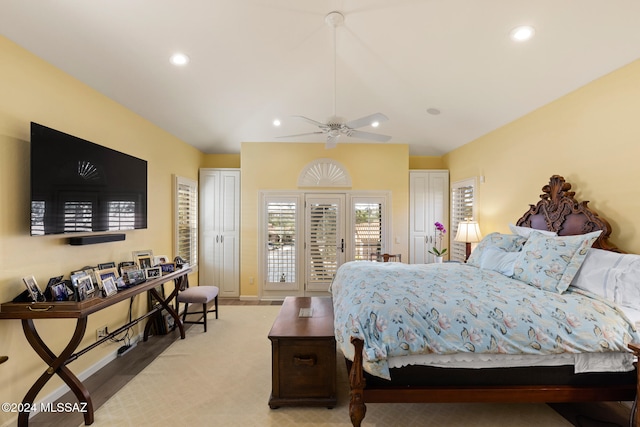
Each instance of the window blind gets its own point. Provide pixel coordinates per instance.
(187, 220)
(462, 208)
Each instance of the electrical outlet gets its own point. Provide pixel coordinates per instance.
(101, 332)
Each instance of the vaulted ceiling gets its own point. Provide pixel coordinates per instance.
(253, 61)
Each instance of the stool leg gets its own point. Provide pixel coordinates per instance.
(204, 315)
(216, 303)
(184, 313)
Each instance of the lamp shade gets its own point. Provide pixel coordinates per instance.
(468, 232)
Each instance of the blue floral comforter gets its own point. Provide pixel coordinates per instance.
(401, 309)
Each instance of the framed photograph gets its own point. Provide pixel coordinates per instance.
(169, 322)
(168, 268)
(144, 259)
(109, 286)
(106, 265)
(160, 259)
(82, 286)
(153, 272)
(59, 292)
(145, 262)
(32, 287)
(135, 276)
(123, 265)
(105, 273)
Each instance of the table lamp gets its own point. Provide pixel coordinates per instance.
(468, 232)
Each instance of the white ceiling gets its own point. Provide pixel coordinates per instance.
(256, 60)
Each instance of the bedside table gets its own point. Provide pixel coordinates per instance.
(303, 351)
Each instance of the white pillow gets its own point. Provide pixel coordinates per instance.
(497, 259)
(611, 275)
(526, 231)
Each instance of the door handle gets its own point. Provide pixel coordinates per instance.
(342, 245)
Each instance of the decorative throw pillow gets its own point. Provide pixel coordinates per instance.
(499, 260)
(507, 242)
(551, 262)
(526, 231)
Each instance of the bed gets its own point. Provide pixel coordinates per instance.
(546, 314)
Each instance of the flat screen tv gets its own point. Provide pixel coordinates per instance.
(78, 186)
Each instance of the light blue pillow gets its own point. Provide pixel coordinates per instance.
(499, 260)
(507, 242)
(549, 262)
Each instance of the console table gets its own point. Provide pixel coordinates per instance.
(28, 312)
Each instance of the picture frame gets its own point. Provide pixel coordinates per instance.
(144, 262)
(144, 258)
(33, 288)
(168, 267)
(160, 259)
(169, 322)
(105, 273)
(106, 265)
(59, 292)
(153, 272)
(123, 265)
(82, 286)
(109, 286)
(135, 276)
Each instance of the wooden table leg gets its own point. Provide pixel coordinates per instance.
(57, 365)
(165, 303)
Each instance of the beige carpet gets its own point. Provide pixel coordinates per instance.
(223, 378)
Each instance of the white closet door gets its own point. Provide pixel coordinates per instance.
(428, 203)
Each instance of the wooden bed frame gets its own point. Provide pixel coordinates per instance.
(556, 211)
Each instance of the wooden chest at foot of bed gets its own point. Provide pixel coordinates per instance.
(303, 351)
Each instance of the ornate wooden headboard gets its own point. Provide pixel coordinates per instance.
(558, 211)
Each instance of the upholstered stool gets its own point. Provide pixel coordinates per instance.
(198, 295)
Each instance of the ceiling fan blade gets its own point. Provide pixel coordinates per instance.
(367, 120)
(301, 134)
(368, 135)
(332, 142)
(313, 122)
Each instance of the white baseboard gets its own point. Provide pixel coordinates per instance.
(63, 389)
(248, 298)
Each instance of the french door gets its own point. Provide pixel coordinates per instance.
(305, 237)
(324, 239)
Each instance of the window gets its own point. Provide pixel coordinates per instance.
(368, 229)
(78, 216)
(463, 207)
(281, 231)
(186, 217)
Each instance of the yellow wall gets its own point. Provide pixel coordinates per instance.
(590, 136)
(426, 162)
(276, 166)
(32, 90)
(221, 161)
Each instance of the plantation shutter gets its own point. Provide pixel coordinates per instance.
(462, 208)
(187, 220)
(282, 243)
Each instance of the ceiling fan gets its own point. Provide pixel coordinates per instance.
(337, 126)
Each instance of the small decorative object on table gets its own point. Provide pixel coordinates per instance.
(436, 251)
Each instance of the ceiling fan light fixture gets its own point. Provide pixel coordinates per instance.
(375, 124)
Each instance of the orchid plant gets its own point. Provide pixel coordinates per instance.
(440, 232)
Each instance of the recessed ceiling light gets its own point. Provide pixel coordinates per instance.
(522, 33)
(433, 111)
(276, 122)
(179, 59)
